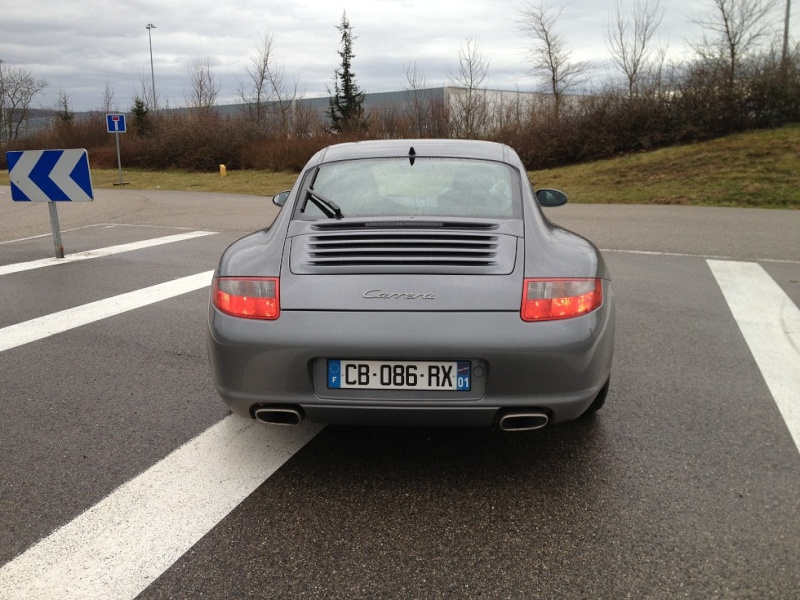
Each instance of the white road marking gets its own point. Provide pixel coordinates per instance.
(42, 327)
(770, 323)
(78, 256)
(703, 256)
(33, 237)
(119, 546)
(102, 225)
(42, 235)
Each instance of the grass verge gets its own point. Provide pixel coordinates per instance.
(257, 183)
(755, 169)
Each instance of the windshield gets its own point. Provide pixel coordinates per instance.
(397, 187)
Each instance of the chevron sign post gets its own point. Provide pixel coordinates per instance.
(50, 176)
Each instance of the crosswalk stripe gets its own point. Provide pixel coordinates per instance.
(45, 326)
(122, 544)
(770, 324)
(111, 250)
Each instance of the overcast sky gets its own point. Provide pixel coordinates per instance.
(79, 46)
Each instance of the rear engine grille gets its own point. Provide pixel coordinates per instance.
(403, 252)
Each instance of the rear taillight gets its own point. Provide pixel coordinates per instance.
(247, 297)
(549, 299)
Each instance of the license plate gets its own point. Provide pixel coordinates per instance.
(452, 376)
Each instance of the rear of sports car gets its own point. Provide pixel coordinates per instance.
(412, 282)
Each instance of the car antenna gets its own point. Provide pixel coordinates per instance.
(412, 155)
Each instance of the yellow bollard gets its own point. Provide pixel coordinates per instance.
(223, 172)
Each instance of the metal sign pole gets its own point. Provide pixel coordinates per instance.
(119, 160)
(56, 230)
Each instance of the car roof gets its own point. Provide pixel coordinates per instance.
(422, 147)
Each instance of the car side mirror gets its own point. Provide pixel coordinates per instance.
(550, 198)
(280, 198)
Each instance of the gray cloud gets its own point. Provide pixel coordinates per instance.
(79, 46)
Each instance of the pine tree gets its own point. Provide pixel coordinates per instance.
(346, 111)
(141, 117)
(65, 115)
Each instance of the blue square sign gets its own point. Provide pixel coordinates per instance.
(115, 123)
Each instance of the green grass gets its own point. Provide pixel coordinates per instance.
(258, 183)
(756, 169)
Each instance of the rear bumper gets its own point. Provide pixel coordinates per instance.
(556, 366)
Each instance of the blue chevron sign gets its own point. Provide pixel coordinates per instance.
(50, 176)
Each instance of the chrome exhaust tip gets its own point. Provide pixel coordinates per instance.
(279, 415)
(523, 420)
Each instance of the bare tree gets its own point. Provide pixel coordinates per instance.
(19, 90)
(469, 110)
(511, 111)
(438, 118)
(256, 92)
(733, 31)
(387, 122)
(108, 103)
(2, 101)
(550, 56)
(266, 93)
(419, 109)
(306, 121)
(630, 39)
(203, 85)
(145, 92)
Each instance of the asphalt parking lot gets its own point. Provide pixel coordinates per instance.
(123, 475)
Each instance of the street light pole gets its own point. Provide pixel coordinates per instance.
(2, 101)
(150, 27)
(785, 54)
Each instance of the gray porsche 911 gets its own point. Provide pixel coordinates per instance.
(413, 282)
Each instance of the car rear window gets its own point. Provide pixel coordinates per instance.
(422, 187)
